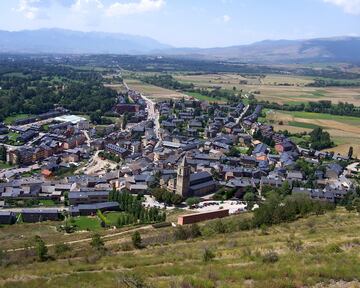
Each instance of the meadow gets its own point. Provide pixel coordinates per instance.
(282, 89)
(316, 250)
(344, 130)
(154, 92)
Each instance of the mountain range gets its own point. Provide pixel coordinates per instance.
(59, 41)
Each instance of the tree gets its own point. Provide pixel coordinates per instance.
(125, 120)
(40, 249)
(2, 153)
(192, 201)
(249, 197)
(97, 242)
(95, 117)
(136, 240)
(351, 152)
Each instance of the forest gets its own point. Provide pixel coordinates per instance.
(36, 87)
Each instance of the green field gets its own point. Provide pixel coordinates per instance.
(11, 119)
(4, 165)
(205, 98)
(48, 203)
(303, 125)
(323, 116)
(87, 223)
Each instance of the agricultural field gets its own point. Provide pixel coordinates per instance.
(11, 119)
(282, 89)
(315, 251)
(206, 98)
(154, 92)
(344, 130)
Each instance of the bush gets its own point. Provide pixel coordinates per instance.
(61, 248)
(97, 242)
(270, 257)
(334, 248)
(40, 249)
(136, 240)
(180, 233)
(192, 201)
(208, 255)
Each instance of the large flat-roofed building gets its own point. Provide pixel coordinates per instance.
(70, 118)
(7, 217)
(198, 217)
(76, 198)
(90, 209)
(39, 215)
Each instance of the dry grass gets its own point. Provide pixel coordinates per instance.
(238, 262)
(271, 90)
(345, 131)
(153, 92)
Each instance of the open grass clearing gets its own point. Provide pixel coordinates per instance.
(206, 98)
(344, 130)
(154, 92)
(85, 223)
(272, 89)
(11, 119)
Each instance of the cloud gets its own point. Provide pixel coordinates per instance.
(226, 18)
(142, 6)
(29, 8)
(349, 6)
(86, 6)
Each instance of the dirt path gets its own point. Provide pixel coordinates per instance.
(88, 239)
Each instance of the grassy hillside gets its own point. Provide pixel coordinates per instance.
(313, 250)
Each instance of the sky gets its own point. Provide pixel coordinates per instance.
(190, 23)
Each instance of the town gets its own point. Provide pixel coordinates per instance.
(185, 153)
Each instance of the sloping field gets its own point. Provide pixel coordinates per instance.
(312, 252)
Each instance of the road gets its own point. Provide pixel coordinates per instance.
(18, 210)
(242, 114)
(8, 173)
(153, 114)
(87, 239)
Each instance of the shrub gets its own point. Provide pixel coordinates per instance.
(270, 257)
(334, 248)
(40, 249)
(180, 233)
(192, 201)
(97, 242)
(219, 227)
(136, 240)
(194, 231)
(208, 255)
(131, 281)
(61, 248)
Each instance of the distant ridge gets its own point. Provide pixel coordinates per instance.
(336, 49)
(59, 41)
(69, 42)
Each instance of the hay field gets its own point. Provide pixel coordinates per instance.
(154, 92)
(344, 130)
(271, 87)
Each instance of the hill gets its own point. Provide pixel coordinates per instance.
(68, 42)
(314, 251)
(337, 49)
(59, 41)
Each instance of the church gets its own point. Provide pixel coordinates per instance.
(189, 184)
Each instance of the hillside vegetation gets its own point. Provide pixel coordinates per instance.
(315, 250)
